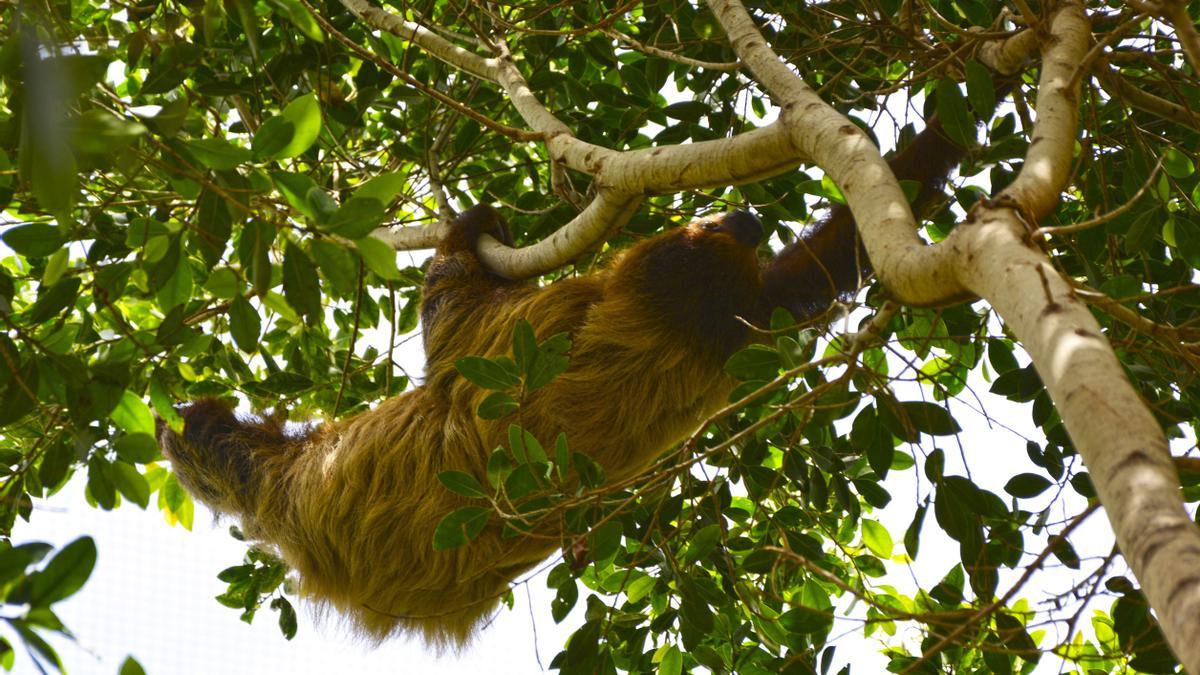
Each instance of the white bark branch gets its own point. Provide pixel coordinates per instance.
(1113, 430)
(1048, 161)
(1007, 56)
(1118, 86)
(1118, 438)
(913, 272)
(437, 46)
(621, 178)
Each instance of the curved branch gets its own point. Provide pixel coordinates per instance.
(726, 66)
(1116, 435)
(913, 272)
(608, 209)
(1008, 55)
(437, 46)
(1037, 187)
(1176, 12)
(621, 177)
(1118, 87)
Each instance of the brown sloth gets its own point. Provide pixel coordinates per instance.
(352, 505)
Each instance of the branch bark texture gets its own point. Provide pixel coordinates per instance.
(1120, 441)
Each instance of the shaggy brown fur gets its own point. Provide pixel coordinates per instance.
(353, 505)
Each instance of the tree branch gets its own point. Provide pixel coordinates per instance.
(1116, 435)
(622, 178)
(1119, 87)
(913, 272)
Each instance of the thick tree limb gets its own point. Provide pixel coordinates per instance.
(913, 272)
(1119, 87)
(1007, 56)
(1120, 441)
(1113, 430)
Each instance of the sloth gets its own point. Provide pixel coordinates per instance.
(352, 505)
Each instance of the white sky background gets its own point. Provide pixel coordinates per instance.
(151, 594)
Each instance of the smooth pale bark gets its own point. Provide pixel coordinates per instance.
(1119, 440)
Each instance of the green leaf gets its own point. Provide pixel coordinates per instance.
(52, 170)
(168, 71)
(548, 362)
(930, 418)
(36, 644)
(272, 138)
(304, 113)
(525, 446)
(461, 483)
(590, 473)
(295, 188)
(177, 289)
(244, 324)
(460, 527)
(213, 226)
(287, 617)
(300, 285)
(562, 455)
(357, 218)
(218, 153)
(583, 647)
(337, 264)
(702, 543)
(139, 448)
(254, 249)
(980, 89)
(56, 266)
(383, 188)
(100, 484)
(293, 11)
(804, 620)
(912, 536)
(131, 667)
(486, 373)
(379, 257)
(14, 561)
(35, 240)
(66, 573)
(525, 347)
(500, 465)
(671, 662)
(755, 362)
(877, 538)
(176, 503)
(687, 111)
(1177, 164)
(497, 405)
(603, 541)
(952, 111)
(223, 283)
(131, 484)
(1026, 485)
(54, 300)
(133, 416)
(54, 467)
(100, 132)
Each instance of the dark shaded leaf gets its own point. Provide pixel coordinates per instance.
(66, 573)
